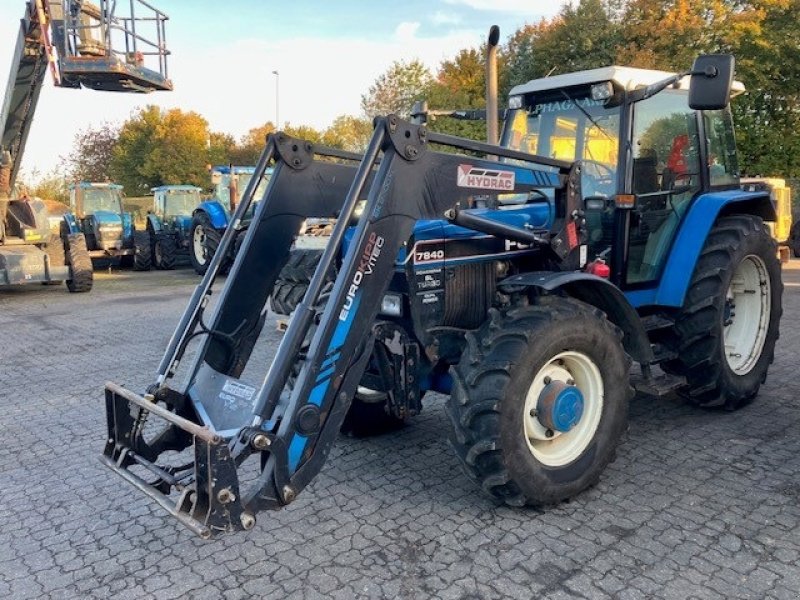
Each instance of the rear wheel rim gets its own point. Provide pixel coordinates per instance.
(746, 315)
(198, 244)
(554, 448)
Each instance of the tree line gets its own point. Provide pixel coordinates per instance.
(156, 147)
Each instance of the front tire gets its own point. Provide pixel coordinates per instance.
(725, 333)
(80, 264)
(203, 242)
(142, 256)
(540, 401)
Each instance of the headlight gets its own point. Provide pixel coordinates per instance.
(392, 305)
(515, 102)
(602, 91)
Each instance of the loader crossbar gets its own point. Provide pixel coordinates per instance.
(289, 422)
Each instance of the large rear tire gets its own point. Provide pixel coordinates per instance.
(725, 333)
(165, 251)
(540, 401)
(203, 242)
(142, 257)
(293, 280)
(80, 264)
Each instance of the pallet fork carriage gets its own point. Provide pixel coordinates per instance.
(293, 432)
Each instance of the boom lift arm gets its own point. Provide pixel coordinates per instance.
(289, 423)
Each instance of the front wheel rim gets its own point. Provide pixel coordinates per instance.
(555, 448)
(747, 313)
(198, 244)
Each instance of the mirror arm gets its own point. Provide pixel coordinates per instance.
(651, 90)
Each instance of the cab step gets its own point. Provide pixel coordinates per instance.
(659, 385)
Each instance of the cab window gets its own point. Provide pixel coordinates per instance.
(666, 175)
(723, 166)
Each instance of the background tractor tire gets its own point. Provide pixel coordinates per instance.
(496, 403)
(77, 257)
(142, 256)
(203, 242)
(293, 280)
(735, 297)
(58, 258)
(366, 417)
(165, 252)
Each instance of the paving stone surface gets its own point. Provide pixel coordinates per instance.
(698, 504)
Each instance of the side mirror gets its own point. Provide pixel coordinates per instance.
(712, 78)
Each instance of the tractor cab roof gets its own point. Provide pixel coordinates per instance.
(627, 78)
(226, 170)
(176, 188)
(92, 185)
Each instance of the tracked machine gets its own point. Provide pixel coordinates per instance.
(521, 279)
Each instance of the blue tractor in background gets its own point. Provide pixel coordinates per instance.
(97, 212)
(169, 224)
(211, 217)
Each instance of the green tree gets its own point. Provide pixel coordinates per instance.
(158, 148)
(251, 145)
(460, 83)
(93, 149)
(221, 146)
(582, 36)
(304, 132)
(47, 186)
(397, 89)
(348, 133)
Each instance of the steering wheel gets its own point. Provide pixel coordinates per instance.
(597, 178)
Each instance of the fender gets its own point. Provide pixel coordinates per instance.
(71, 223)
(127, 225)
(697, 223)
(215, 211)
(154, 223)
(601, 294)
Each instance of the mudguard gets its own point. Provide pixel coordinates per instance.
(600, 293)
(216, 213)
(154, 223)
(700, 218)
(71, 223)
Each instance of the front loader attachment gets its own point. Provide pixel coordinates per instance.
(230, 448)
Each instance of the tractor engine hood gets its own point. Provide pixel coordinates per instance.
(182, 222)
(107, 227)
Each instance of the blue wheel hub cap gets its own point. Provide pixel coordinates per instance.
(560, 406)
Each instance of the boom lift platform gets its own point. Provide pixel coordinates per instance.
(481, 274)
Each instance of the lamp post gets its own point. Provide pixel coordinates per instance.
(277, 97)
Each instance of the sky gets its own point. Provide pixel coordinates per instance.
(326, 52)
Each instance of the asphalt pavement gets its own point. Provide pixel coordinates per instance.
(697, 504)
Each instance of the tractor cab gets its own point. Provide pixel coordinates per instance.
(229, 183)
(641, 149)
(110, 46)
(174, 204)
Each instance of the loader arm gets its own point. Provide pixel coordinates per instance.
(413, 182)
(291, 420)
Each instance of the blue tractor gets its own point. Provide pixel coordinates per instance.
(211, 217)
(169, 224)
(522, 280)
(97, 212)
